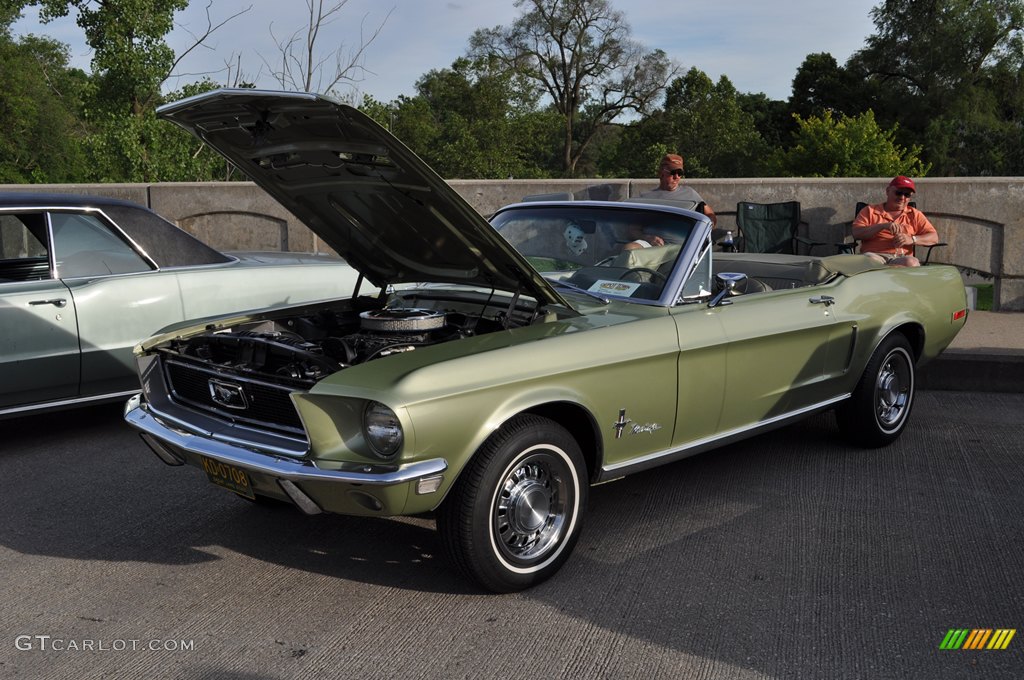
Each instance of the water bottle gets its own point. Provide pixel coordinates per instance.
(728, 245)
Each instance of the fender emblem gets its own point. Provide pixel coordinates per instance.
(621, 423)
(230, 395)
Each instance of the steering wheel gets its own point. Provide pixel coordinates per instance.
(644, 270)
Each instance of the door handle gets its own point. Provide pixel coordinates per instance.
(826, 300)
(56, 302)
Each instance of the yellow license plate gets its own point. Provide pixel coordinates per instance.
(227, 476)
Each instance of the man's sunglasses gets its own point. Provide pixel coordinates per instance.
(905, 194)
(676, 173)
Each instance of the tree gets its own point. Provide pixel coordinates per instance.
(131, 60)
(847, 147)
(469, 121)
(933, 57)
(821, 84)
(710, 129)
(772, 118)
(936, 47)
(972, 138)
(303, 69)
(40, 112)
(581, 55)
(145, 149)
(10, 11)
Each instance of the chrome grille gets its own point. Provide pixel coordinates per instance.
(266, 405)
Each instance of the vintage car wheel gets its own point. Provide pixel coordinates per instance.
(515, 513)
(878, 410)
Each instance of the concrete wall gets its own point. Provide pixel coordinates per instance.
(982, 219)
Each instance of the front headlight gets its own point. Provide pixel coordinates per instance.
(382, 429)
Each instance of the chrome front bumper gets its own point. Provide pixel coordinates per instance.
(353, 489)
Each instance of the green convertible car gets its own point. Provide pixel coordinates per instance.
(505, 367)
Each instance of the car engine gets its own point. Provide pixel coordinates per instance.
(304, 349)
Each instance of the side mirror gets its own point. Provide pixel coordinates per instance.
(727, 282)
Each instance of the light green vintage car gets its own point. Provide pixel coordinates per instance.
(508, 366)
(84, 278)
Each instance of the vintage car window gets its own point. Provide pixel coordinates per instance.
(698, 284)
(165, 243)
(85, 246)
(583, 246)
(23, 252)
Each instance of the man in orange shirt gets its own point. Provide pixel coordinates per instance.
(889, 231)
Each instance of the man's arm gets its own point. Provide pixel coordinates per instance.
(711, 215)
(864, 231)
(925, 234)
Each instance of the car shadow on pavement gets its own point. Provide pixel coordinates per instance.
(91, 490)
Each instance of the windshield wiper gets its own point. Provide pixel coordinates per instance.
(570, 286)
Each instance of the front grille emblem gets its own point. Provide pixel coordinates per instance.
(230, 395)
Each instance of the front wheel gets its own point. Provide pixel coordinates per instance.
(515, 513)
(877, 412)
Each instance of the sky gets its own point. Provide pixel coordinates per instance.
(759, 45)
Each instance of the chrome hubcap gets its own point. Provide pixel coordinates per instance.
(529, 509)
(892, 390)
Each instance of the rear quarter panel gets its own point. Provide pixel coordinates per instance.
(922, 301)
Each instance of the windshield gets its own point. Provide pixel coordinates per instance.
(625, 253)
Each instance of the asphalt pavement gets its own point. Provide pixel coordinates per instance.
(789, 555)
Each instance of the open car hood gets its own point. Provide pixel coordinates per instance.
(358, 188)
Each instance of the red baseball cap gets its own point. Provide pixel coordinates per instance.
(902, 182)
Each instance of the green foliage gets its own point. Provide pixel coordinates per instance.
(846, 147)
(469, 121)
(935, 65)
(715, 136)
(130, 58)
(703, 121)
(938, 88)
(142, 148)
(821, 85)
(772, 118)
(581, 55)
(40, 112)
(10, 10)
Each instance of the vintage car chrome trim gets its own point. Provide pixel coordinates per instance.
(77, 401)
(263, 444)
(282, 468)
(110, 222)
(209, 424)
(651, 460)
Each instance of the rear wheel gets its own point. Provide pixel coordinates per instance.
(514, 515)
(877, 412)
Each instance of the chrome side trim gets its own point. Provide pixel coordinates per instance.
(281, 468)
(657, 458)
(66, 403)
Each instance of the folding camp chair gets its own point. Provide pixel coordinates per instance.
(770, 228)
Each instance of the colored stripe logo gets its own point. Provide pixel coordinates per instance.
(978, 638)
